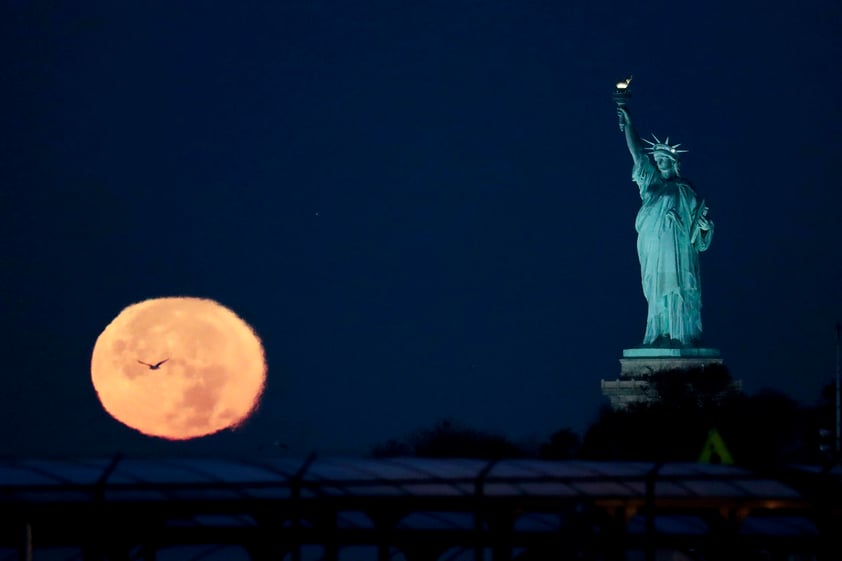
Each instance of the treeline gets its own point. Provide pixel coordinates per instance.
(760, 431)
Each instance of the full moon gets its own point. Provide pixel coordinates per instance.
(178, 368)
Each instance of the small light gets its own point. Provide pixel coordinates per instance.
(622, 85)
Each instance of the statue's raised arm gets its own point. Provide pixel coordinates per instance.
(633, 140)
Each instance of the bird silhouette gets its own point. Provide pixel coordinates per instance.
(155, 366)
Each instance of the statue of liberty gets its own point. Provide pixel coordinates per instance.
(672, 229)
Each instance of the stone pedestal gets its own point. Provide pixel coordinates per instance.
(638, 365)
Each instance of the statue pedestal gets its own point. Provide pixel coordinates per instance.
(638, 364)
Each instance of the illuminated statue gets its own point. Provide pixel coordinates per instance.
(672, 228)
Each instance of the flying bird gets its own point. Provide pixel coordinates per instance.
(155, 366)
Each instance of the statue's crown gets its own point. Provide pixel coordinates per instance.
(664, 148)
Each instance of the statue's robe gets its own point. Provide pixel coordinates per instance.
(669, 260)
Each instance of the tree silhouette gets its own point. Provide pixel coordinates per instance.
(449, 439)
(763, 431)
(564, 444)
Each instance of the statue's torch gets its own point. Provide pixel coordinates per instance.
(622, 95)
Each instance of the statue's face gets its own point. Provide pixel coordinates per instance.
(665, 165)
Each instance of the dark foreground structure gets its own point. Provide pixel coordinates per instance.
(413, 509)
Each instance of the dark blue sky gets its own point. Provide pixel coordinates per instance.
(424, 208)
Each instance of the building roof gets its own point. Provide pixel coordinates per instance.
(78, 480)
(185, 500)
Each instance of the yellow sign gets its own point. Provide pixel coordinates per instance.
(715, 451)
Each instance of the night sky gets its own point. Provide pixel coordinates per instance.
(424, 209)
